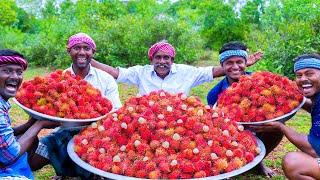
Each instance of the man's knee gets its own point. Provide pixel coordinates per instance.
(33, 148)
(37, 162)
(290, 164)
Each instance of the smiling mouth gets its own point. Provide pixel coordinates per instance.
(306, 89)
(162, 68)
(236, 73)
(12, 87)
(306, 86)
(81, 60)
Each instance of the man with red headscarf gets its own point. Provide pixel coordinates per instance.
(163, 73)
(15, 152)
(53, 147)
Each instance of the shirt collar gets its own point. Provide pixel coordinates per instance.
(4, 104)
(89, 73)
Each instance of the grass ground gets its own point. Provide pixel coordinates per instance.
(300, 122)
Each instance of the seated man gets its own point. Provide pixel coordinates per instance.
(304, 164)
(163, 73)
(53, 148)
(233, 59)
(15, 152)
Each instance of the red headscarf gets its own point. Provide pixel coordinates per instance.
(161, 46)
(14, 60)
(81, 38)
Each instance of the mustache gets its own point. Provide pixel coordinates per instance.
(12, 81)
(158, 65)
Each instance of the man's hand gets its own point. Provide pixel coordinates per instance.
(48, 124)
(267, 127)
(255, 57)
(31, 121)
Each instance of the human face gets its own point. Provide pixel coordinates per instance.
(162, 63)
(234, 67)
(81, 55)
(308, 81)
(11, 76)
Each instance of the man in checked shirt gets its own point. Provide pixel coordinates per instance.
(15, 152)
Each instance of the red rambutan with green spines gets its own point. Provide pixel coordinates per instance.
(58, 86)
(169, 143)
(260, 88)
(221, 164)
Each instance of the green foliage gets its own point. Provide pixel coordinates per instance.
(11, 38)
(221, 23)
(251, 13)
(26, 22)
(8, 15)
(126, 42)
(123, 32)
(290, 29)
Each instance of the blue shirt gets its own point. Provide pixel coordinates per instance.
(315, 116)
(181, 78)
(213, 94)
(10, 148)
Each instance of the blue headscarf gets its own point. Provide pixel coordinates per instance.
(229, 53)
(307, 63)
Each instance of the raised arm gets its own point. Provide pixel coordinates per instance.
(252, 59)
(114, 72)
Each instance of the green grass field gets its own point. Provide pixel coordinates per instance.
(300, 122)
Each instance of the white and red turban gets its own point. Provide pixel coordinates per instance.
(81, 38)
(14, 60)
(161, 46)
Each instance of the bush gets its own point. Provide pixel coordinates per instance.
(11, 38)
(125, 42)
(288, 32)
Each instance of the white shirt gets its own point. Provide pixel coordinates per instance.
(181, 78)
(104, 82)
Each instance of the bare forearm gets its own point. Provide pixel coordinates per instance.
(299, 140)
(29, 137)
(217, 71)
(110, 70)
(18, 130)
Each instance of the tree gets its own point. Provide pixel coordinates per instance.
(220, 23)
(7, 12)
(290, 29)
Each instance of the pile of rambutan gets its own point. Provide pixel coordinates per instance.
(64, 95)
(163, 135)
(261, 96)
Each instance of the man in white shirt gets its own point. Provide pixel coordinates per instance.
(163, 73)
(104, 82)
(53, 147)
(81, 49)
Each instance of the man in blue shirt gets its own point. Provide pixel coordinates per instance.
(14, 151)
(306, 163)
(233, 59)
